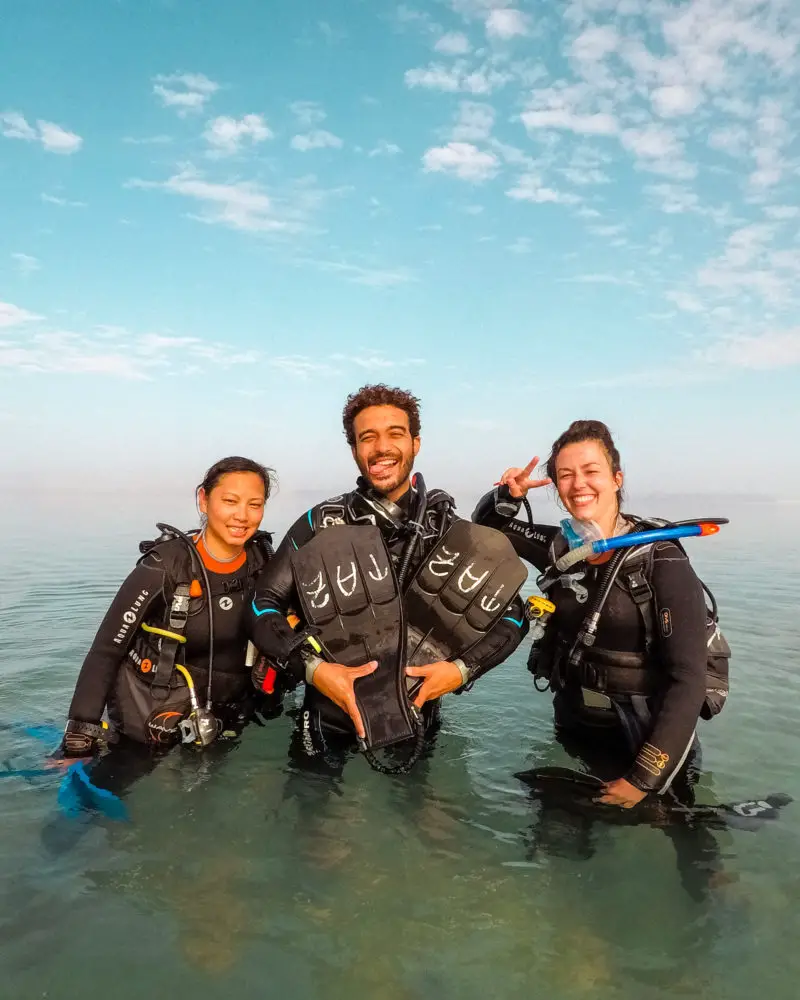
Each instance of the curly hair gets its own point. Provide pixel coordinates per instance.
(379, 395)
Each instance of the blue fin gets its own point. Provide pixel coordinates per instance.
(76, 794)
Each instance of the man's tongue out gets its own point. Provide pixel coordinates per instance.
(382, 467)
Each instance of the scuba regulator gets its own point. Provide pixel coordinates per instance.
(201, 727)
(538, 611)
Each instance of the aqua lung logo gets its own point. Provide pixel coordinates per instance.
(527, 532)
(225, 603)
(130, 616)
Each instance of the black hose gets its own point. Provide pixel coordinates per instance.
(417, 524)
(527, 505)
(406, 765)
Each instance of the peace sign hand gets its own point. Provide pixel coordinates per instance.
(519, 481)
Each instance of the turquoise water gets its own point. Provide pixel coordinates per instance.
(236, 877)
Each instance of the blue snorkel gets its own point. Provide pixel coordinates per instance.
(582, 546)
(587, 549)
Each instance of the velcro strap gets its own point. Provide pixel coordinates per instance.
(95, 731)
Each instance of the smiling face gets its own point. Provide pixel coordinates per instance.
(586, 483)
(234, 508)
(385, 450)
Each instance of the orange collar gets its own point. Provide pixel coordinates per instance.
(214, 565)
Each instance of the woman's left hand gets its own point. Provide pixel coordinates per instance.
(621, 793)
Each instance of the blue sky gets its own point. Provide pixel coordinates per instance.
(218, 218)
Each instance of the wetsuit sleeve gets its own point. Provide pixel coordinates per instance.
(499, 644)
(680, 644)
(274, 596)
(139, 594)
(498, 509)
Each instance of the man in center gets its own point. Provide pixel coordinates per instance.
(382, 427)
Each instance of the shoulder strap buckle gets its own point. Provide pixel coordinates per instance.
(179, 609)
(638, 586)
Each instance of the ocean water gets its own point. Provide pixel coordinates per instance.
(238, 877)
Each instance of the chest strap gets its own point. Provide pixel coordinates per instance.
(172, 638)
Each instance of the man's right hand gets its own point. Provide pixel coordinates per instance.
(336, 682)
(519, 481)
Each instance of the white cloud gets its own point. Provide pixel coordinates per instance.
(58, 140)
(731, 139)
(11, 315)
(686, 302)
(764, 352)
(15, 126)
(598, 123)
(332, 35)
(148, 140)
(307, 113)
(659, 150)
(434, 77)
(379, 361)
(530, 188)
(674, 199)
(522, 244)
(26, 263)
(187, 92)
(652, 142)
(458, 78)
(669, 102)
(318, 139)
(595, 43)
(53, 138)
(385, 148)
(582, 176)
(612, 229)
(782, 212)
(454, 43)
(225, 135)
(373, 277)
(156, 343)
(52, 199)
(405, 16)
(603, 279)
(475, 122)
(505, 23)
(299, 366)
(116, 352)
(749, 266)
(240, 205)
(462, 159)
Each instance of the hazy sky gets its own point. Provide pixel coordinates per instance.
(218, 218)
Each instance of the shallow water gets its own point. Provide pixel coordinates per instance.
(236, 876)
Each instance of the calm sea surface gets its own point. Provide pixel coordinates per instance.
(237, 878)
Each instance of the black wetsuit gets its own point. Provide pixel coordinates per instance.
(118, 671)
(276, 593)
(676, 666)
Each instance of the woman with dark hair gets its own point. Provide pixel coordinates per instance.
(629, 701)
(170, 659)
